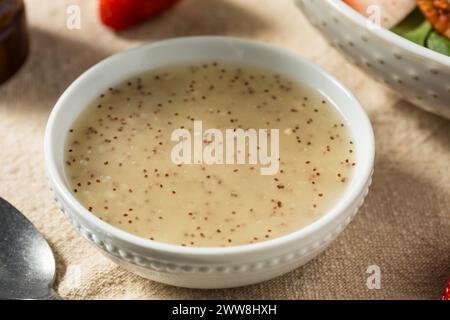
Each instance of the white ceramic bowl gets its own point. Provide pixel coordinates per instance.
(418, 74)
(207, 267)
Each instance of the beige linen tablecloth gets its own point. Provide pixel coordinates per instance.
(403, 227)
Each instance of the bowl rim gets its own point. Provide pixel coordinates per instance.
(345, 203)
(387, 34)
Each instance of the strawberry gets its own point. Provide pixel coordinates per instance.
(122, 14)
(446, 294)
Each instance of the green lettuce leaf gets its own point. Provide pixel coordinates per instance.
(414, 28)
(438, 43)
(417, 29)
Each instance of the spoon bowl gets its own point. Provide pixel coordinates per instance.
(27, 264)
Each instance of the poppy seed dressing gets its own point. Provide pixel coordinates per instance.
(119, 165)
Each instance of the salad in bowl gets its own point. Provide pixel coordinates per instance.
(425, 22)
(402, 43)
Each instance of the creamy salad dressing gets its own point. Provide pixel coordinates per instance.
(119, 165)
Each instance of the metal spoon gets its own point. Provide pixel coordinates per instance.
(27, 264)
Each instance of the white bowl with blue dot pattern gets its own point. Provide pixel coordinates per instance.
(418, 74)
